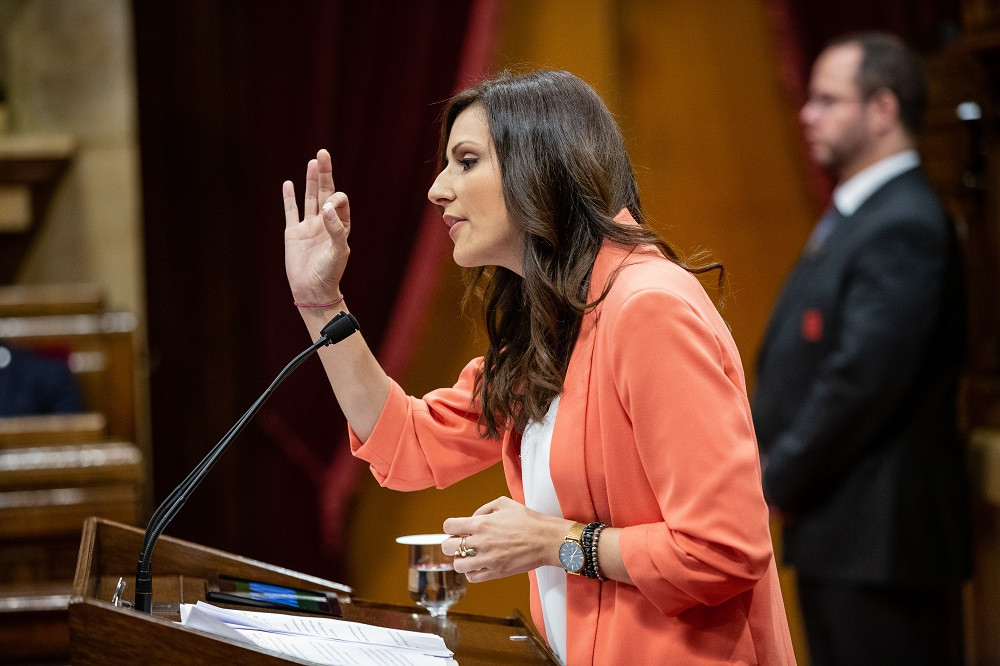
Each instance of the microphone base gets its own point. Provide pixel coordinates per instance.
(143, 594)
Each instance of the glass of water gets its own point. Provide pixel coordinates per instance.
(431, 579)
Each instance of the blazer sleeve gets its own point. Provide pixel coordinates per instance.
(681, 383)
(888, 310)
(431, 441)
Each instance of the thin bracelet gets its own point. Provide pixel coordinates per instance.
(321, 305)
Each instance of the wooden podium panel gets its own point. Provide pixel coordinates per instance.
(101, 633)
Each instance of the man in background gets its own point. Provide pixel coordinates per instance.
(857, 377)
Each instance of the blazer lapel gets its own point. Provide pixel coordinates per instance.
(567, 460)
(512, 464)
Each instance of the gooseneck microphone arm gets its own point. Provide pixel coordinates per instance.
(340, 327)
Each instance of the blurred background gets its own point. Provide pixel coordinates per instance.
(142, 153)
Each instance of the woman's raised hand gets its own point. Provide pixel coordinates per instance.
(316, 247)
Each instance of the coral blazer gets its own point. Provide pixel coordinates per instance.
(653, 435)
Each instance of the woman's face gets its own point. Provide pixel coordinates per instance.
(470, 195)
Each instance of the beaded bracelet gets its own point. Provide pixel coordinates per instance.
(586, 541)
(592, 560)
(319, 305)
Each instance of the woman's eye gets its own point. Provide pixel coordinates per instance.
(468, 162)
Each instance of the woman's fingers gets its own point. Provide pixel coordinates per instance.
(450, 546)
(341, 206)
(291, 208)
(470, 525)
(311, 202)
(324, 167)
(319, 190)
(458, 526)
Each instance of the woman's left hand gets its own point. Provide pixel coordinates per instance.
(507, 537)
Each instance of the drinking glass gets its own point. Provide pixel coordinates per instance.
(431, 579)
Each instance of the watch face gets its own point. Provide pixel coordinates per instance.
(571, 556)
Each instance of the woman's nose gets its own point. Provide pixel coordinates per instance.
(440, 192)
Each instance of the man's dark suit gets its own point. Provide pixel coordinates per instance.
(855, 399)
(32, 384)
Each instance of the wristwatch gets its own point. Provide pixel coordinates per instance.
(571, 553)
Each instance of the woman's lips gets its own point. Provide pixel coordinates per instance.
(453, 224)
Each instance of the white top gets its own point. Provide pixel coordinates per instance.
(849, 195)
(540, 496)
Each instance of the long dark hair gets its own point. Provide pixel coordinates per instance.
(565, 174)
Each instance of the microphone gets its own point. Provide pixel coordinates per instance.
(340, 327)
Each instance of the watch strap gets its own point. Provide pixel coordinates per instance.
(576, 533)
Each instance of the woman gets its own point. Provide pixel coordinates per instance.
(611, 390)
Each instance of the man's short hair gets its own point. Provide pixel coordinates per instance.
(888, 63)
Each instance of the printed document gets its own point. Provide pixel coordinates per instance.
(318, 639)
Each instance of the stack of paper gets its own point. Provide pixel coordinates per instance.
(318, 639)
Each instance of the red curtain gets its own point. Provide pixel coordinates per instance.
(431, 248)
(234, 98)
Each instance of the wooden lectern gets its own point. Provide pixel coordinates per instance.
(102, 633)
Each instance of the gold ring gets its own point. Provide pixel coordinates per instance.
(463, 550)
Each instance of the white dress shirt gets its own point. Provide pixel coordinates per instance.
(540, 496)
(849, 195)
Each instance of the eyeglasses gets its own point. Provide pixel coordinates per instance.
(824, 102)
